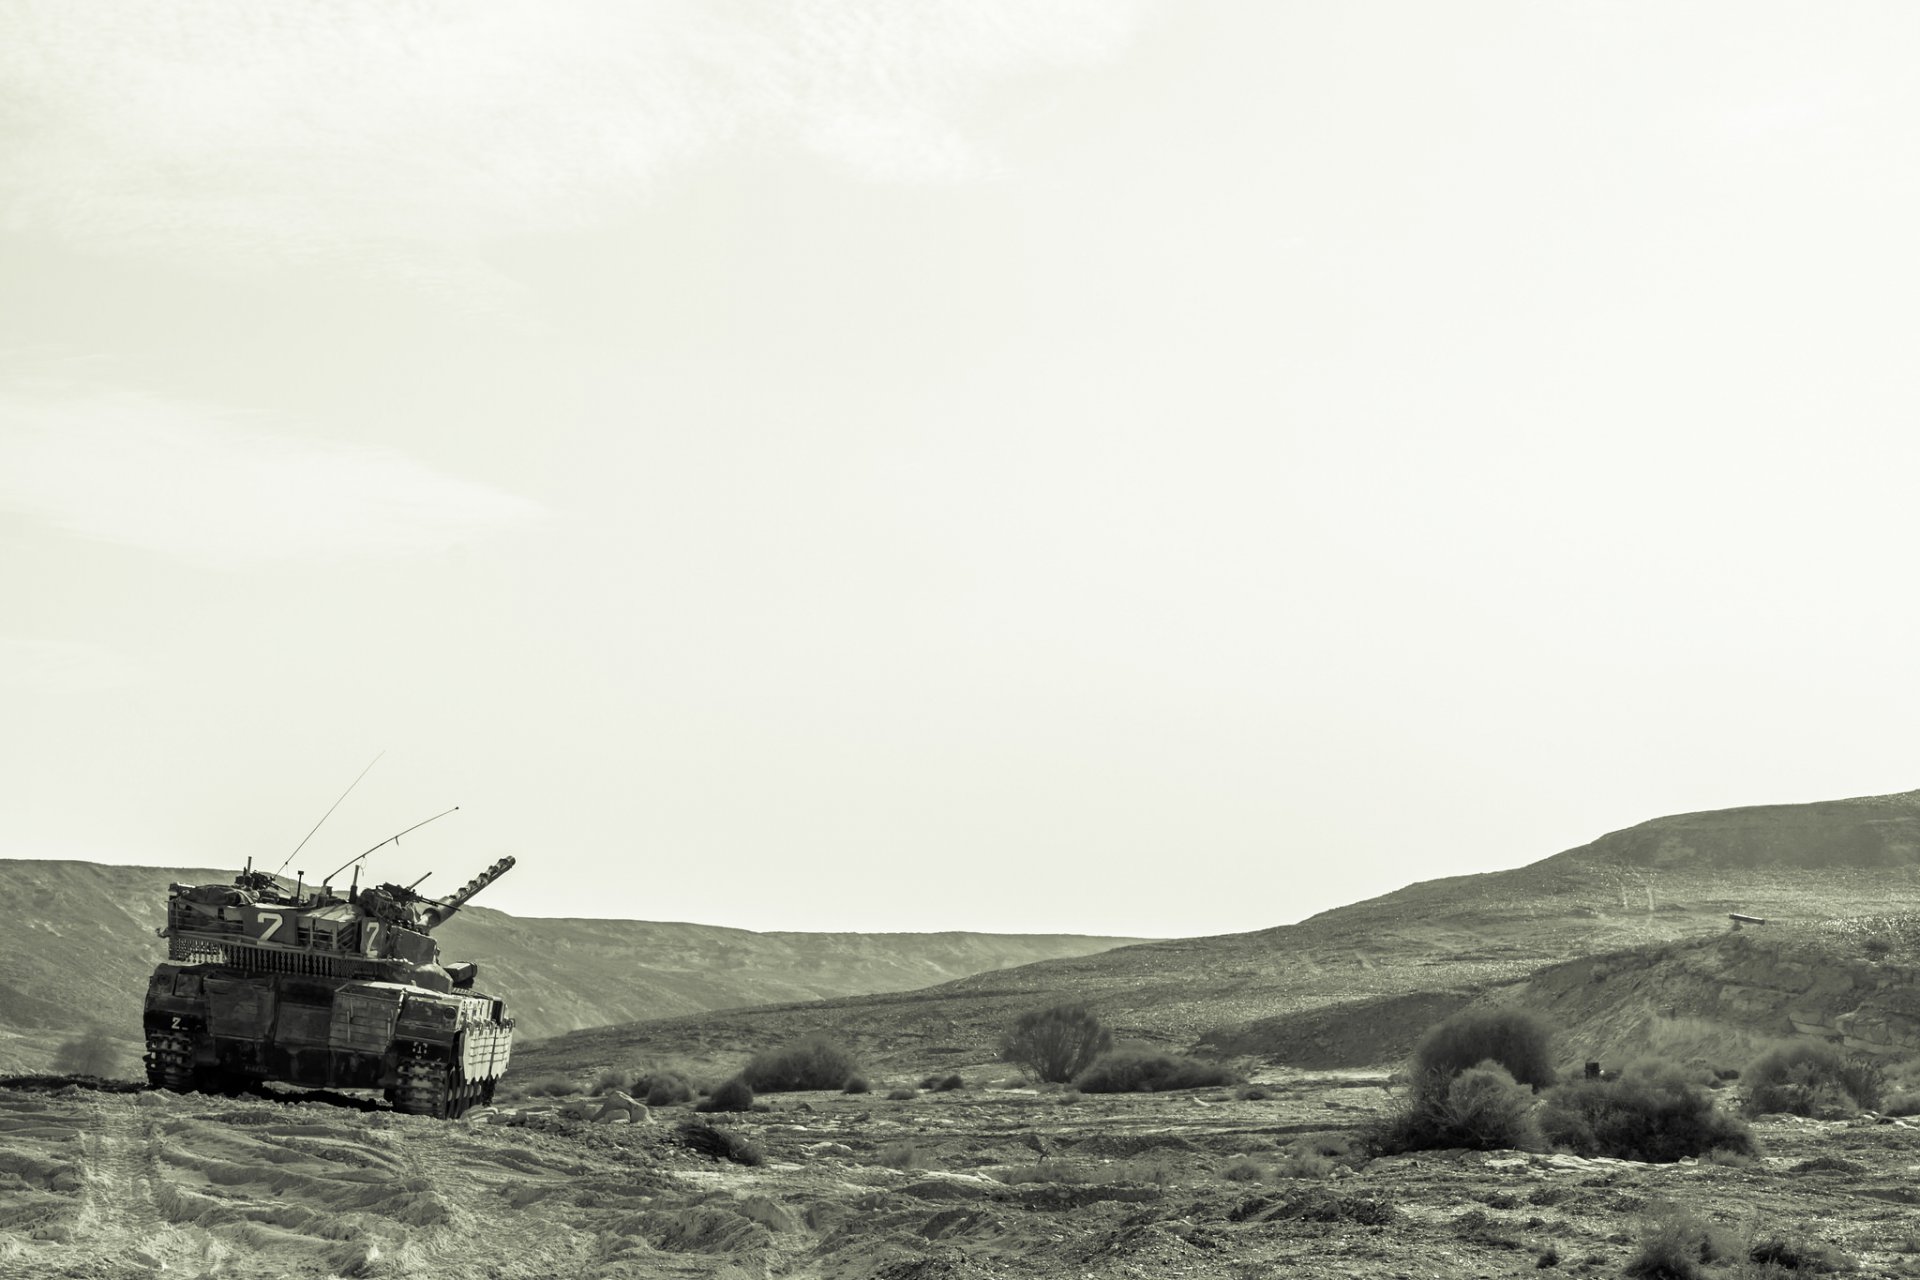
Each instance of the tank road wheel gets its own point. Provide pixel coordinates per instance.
(429, 1087)
(170, 1061)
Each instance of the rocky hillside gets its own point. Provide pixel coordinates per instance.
(77, 943)
(1356, 984)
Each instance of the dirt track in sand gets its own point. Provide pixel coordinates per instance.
(943, 1185)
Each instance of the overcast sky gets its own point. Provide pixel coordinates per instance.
(1044, 465)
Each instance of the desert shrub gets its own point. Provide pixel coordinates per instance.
(1149, 1071)
(92, 1053)
(903, 1095)
(1243, 1169)
(1251, 1093)
(1515, 1039)
(904, 1155)
(729, 1095)
(814, 1062)
(1653, 1112)
(664, 1088)
(1316, 1154)
(1675, 1246)
(1796, 1255)
(1305, 1164)
(722, 1144)
(1318, 1204)
(857, 1084)
(943, 1084)
(1549, 1257)
(1876, 946)
(1483, 1109)
(1906, 1102)
(1056, 1044)
(1069, 1097)
(1812, 1078)
(611, 1080)
(551, 1085)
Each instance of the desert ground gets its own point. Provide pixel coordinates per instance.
(995, 1179)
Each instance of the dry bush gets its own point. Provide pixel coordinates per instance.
(1676, 1245)
(730, 1095)
(1058, 1043)
(1811, 1078)
(903, 1095)
(1653, 1112)
(1519, 1041)
(1483, 1109)
(1149, 1071)
(1781, 1253)
(905, 1155)
(663, 1087)
(857, 1084)
(710, 1140)
(943, 1084)
(814, 1062)
(1905, 1102)
(1305, 1164)
(1243, 1169)
(611, 1080)
(551, 1085)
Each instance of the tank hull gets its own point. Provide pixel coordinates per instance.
(220, 1027)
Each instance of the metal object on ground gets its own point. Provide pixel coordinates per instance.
(305, 986)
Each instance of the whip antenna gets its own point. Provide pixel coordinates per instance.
(329, 813)
(389, 840)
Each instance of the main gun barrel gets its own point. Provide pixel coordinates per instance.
(437, 912)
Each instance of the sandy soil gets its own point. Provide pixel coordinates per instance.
(953, 1184)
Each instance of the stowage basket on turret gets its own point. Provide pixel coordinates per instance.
(304, 986)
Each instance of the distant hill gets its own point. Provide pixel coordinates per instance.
(1356, 984)
(77, 941)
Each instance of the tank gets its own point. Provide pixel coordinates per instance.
(305, 986)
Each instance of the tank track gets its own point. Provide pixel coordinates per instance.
(170, 1061)
(429, 1088)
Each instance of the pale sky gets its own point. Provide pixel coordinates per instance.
(1043, 465)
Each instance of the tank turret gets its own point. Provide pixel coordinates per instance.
(305, 985)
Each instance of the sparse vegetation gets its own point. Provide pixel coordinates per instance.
(1305, 1164)
(1784, 1254)
(1518, 1041)
(722, 1144)
(730, 1095)
(1906, 1102)
(905, 1155)
(1057, 1043)
(1149, 1071)
(663, 1088)
(551, 1085)
(1676, 1245)
(814, 1062)
(902, 1095)
(857, 1084)
(1653, 1112)
(1483, 1109)
(1811, 1078)
(1243, 1169)
(943, 1084)
(611, 1080)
